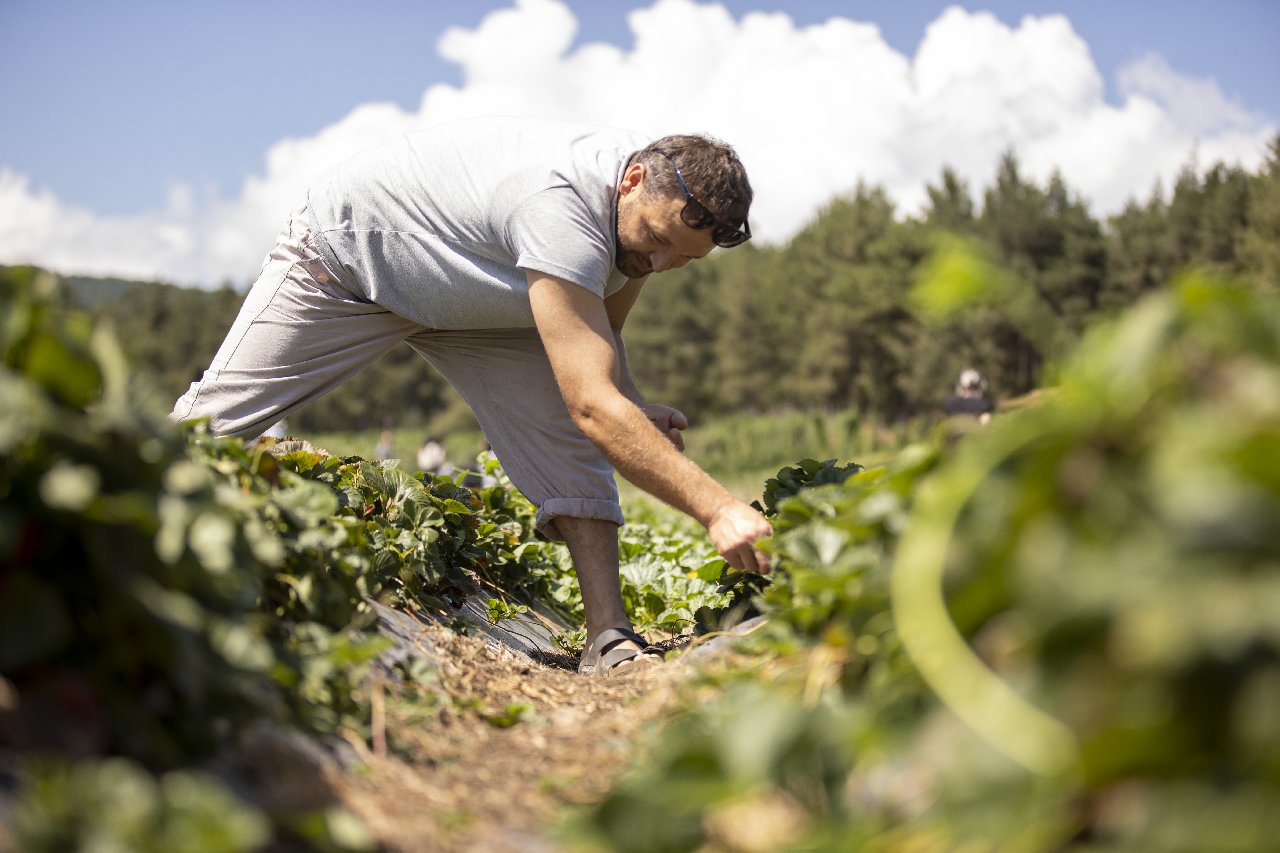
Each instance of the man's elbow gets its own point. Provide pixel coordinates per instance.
(597, 416)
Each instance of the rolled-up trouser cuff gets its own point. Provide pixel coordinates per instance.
(575, 508)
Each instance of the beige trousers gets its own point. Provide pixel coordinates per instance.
(301, 333)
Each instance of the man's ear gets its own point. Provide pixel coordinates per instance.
(632, 179)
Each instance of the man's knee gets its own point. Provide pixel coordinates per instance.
(552, 511)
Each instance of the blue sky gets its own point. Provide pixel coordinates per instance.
(152, 114)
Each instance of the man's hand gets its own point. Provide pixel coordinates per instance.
(669, 422)
(734, 530)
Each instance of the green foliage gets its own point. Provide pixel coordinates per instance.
(158, 592)
(806, 474)
(111, 639)
(115, 805)
(669, 571)
(462, 445)
(95, 618)
(344, 531)
(500, 610)
(1259, 244)
(833, 544)
(746, 772)
(1135, 512)
(958, 276)
(1059, 633)
(756, 445)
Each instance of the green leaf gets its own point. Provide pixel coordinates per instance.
(71, 376)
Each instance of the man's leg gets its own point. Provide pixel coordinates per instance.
(506, 379)
(299, 335)
(593, 544)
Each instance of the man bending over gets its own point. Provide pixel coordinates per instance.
(507, 253)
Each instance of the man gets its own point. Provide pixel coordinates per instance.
(970, 397)
(508, 253)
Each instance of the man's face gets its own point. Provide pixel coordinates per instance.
(650, 236)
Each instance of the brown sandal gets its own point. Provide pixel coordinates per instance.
(608, 651)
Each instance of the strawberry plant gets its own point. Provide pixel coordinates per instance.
(1057, 634)
(160, 591)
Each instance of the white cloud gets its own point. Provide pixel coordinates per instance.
(35, 227)
(812, 110)
(1197, 106)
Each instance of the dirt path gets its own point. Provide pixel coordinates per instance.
(509, 747)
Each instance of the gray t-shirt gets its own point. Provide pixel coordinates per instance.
(440, 226)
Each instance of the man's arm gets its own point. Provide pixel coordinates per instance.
(670, 422)
(617, 306)
(579, 339)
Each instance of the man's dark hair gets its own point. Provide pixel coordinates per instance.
(711, 170)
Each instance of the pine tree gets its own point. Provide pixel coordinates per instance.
(1141, 250)
(1259, 241)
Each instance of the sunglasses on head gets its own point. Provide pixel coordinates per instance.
(696, 216)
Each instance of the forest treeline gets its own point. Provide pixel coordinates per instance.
(826, 321)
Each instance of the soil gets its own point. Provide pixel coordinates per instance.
(508, 750)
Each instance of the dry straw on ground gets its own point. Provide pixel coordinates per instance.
(502, 751)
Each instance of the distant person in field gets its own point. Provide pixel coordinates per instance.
(970, 397)
(432, 458)
(508, 253)
(385, 446)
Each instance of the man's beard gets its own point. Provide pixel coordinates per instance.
(632, 264)
(629, 263)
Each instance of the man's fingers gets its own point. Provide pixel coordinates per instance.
(667, 426)
(759, 561)
(749, 559)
